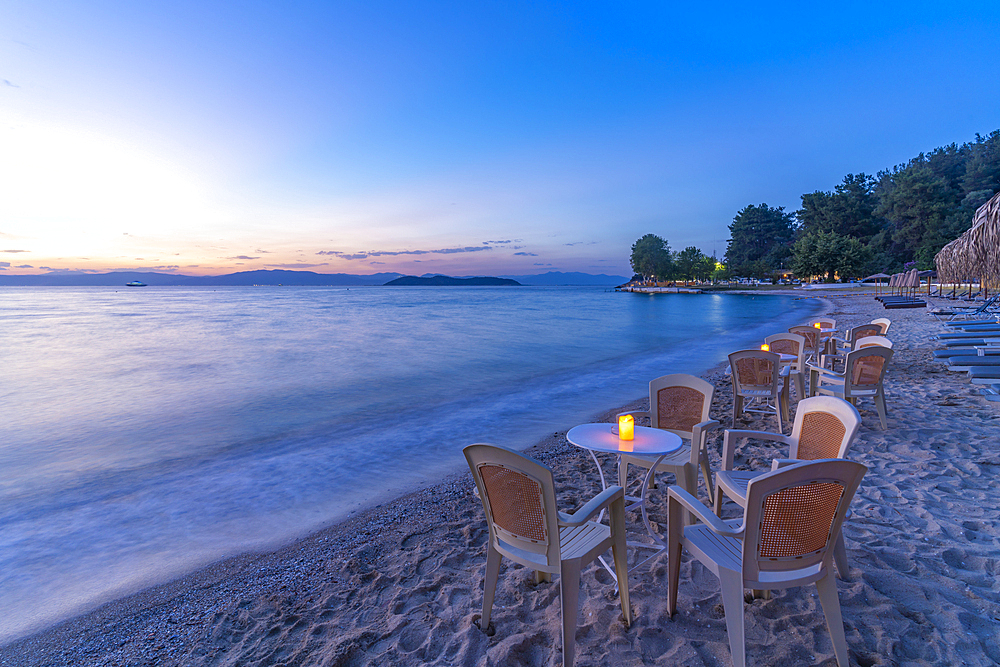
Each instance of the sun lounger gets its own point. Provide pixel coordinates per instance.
(965, 342)
(991, 392)
(985, 374)
(963, 335)
(966, 362)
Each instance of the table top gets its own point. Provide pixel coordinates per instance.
(604, 438)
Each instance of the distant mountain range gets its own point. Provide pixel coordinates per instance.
(271, 277)
(438, 281)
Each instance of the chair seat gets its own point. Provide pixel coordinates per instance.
(725, 552)
(734, 483)
(581, 541)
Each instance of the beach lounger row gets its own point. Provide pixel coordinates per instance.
(974, 348)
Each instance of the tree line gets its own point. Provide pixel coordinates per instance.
(895, 220)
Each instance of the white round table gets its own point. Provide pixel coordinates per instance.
(648, 441)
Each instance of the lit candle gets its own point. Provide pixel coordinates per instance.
(818, 325)
(626, 427)
(765, 347)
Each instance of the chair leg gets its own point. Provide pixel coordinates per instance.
(569, 593)
(827, 588)
(675, 533)
(689, 482)
(706, 470)
(880, 406)
(619, 551)
(490, 586)
(622, 472)
(737, 408)
(800, 386)
(732, 604)
(840, 557)
(718, 500)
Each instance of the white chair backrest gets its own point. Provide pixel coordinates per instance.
(862, 330)
(884, 322)
(793, 515)
(811, 334)
(678, 402)
(825, 322)
(519, 499)
(864, 370)
(755, 371)
(869, 341)
(789, 343)
(824, 428)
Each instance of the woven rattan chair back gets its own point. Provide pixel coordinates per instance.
(789, 343)
(754, 371)
(518, 495)
(860, 332)
(678, 402)
(794, 514)
(825, 322)
(824, 428)
(865, 371)
(811, 334)
(516, 503)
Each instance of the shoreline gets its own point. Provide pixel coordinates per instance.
(399, 583)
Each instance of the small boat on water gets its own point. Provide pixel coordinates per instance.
(136, 283)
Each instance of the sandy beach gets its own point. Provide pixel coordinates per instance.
(401, 583)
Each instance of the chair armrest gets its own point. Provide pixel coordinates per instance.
(676, 494)
(732, 435)
(593, 506)
(823, 371)
(637, 413)
(699, 432)
(778, 464)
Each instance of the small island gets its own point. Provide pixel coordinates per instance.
(437, 281)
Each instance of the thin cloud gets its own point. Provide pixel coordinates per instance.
(263, 252)
(525, 254)
(540, 264)
(8, 83)
(4, 265)
(396, 253)
(299, 265)
(498, 242)
(243, 257)
(14, 251)
(24, 266)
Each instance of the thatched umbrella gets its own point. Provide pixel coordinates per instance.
(976, 253)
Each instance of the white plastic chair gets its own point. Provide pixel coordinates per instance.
(864, 372)
(795, 344)
(680, 404)
(869, 341)
(519, 499)
(843, 346)
(883, 322)
(811, 334)
(756, 380)
(784, 540)
(824, 428)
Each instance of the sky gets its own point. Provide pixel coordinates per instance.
(465, 138)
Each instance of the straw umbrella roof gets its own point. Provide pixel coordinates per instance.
(976, 253)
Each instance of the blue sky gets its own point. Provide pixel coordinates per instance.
(462, 138)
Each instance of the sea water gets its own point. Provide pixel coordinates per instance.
(147, 432)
